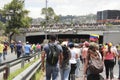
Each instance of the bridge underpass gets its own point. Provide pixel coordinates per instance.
(72, 37)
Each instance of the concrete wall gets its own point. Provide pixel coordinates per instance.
(111, 36)
(21, 37)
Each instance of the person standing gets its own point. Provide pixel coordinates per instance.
(38, 49)
(84, 50)
(65, 68)
(73, 62)
(109, 61)
(27, 50)
(5, 50)
(33, 48)
(93, 54)
(53, 53)
(1, 50)
(12, 47)
(19, 49)
(78, 51)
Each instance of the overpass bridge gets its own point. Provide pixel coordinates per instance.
(38, 33)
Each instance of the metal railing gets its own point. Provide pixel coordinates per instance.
(29, 72)
(5, 67)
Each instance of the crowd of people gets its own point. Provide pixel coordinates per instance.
(66, 57)
(71, 55)
(19, 48)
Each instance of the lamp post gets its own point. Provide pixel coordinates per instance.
(46, 19)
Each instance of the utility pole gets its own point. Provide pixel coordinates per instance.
(46, 19)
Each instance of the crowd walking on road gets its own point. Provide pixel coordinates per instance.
(18, 48)
(66, 57)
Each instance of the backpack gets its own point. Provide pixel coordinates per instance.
(95, 65)
(66, 54)
(52, 56)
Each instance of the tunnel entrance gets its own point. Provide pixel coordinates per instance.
(72, 37)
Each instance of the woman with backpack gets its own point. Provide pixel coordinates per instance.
(92, 61)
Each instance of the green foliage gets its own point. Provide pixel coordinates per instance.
(50, 15)
(17, 17)
(2, 26)
(39, 75)
(56, 18)
(15, 73)
(109, 24)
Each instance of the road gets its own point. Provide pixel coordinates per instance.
(11, 56)
(116, 71)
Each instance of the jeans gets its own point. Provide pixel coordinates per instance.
(109, 65)
(27, 55)
(0, 57)
(72, 72)
(77, 71)
(65, 73)
(4, 54)
(12, 50)
(51, 72)
(18, 54)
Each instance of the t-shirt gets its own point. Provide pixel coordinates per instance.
(27, 48)
(46, 48)
(5, 47)
(73, 56)
(109, 56)
(19, 47)
(1, 48)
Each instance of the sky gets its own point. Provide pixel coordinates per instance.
(68, 7)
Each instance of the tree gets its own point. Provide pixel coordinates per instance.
(2, 26)
(17, 17)
(56, 18)
(50, 15)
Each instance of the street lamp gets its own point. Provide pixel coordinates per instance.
(46, 20)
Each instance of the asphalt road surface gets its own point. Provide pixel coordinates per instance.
(9, 56)
(116, 71)
(12, 56)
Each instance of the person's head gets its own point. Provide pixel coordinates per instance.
(70, 45)
(27, 42)
(86, 44)
(109, 44)
(94, 45)
(52, 37)
(64, 43)
(19, 42)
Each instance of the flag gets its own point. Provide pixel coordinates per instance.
(94, 37)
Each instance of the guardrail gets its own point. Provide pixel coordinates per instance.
(29, 72)
(5, 67)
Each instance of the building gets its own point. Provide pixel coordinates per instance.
(2, 19)
(108, 16)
